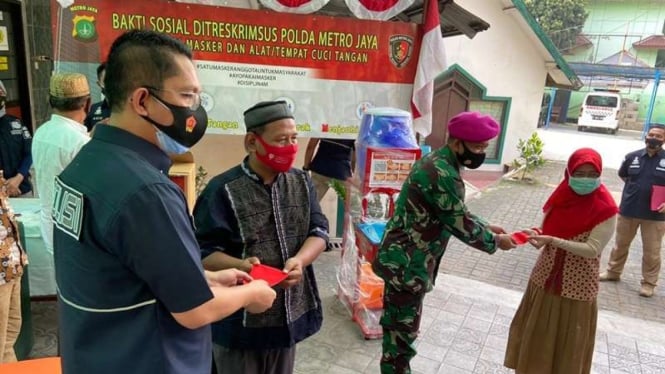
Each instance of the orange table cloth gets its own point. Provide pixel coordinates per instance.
(49, 365)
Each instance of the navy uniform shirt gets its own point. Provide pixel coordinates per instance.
(333, 158)
(98, 112)
(15, 152)
(126, 258)
(640, 172)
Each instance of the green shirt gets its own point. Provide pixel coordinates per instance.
(429, 210)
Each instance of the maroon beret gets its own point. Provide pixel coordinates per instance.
(473, 127)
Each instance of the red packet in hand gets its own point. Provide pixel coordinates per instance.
(519, 237)
(268, 273)
(657, 197)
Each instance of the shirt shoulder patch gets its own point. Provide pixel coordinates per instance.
(67, 209)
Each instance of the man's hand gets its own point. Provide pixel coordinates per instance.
(661, 208)
(248, 263)
(226, 278)
(504, 242)
(263, 298)
(497, 229)
(12, 185)
(540, 241)
(293, 267)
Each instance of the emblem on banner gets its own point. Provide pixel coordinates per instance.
(401, 48)
(85, 29)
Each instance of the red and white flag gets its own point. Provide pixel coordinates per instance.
(431, 62)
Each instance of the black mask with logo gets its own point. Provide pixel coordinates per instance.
(653, 143)
(188, 125)
(469, 159)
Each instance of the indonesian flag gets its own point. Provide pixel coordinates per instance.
(431, 62)
(294, 6)
(381, 10)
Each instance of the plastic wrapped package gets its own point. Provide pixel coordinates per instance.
(383, 128)
(347, 273)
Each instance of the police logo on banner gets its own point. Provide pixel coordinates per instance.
(67, 209)
(401, 48)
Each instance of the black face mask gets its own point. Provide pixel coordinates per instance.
(188, 125)
(653, 143)
(469, 159)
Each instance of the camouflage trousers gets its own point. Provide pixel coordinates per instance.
(400, 321)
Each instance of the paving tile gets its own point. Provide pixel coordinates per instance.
(431, 351)
(447, 369)
(460, 360)
(424, 365)
(599, 369)
(467, 347)
(601, 358)
(492, 355)
(487, 367)
(480, 325)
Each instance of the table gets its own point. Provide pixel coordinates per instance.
(42, 271)
(49, 365)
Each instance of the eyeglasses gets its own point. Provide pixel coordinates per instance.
(193, 98)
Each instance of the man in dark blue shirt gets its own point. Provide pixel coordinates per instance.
(99, 111)
(641, 170)
(15, 155)
(133, 295)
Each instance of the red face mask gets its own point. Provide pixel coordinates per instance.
(277, 158)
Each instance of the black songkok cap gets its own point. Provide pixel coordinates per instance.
(266, 112)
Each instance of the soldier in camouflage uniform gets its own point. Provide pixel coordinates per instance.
(429, 210)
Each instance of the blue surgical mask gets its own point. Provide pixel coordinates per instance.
(583, 186)
(168, 145)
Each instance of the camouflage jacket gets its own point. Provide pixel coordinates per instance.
(430, 208)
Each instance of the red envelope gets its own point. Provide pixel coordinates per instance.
(268, 273)
(657, 196)
(519, 237)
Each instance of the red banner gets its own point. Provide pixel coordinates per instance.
(338, 48)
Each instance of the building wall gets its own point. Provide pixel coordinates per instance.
(504, 59)
(38, 25)
(613, 26)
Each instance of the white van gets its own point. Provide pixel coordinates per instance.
(600, 109)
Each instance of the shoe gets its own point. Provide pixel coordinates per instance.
(608, 277)
(646, 290)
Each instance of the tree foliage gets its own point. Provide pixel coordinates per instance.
(562, 20)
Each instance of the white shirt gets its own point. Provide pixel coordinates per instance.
(54, 145)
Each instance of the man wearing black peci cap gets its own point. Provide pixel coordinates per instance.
(263, 210)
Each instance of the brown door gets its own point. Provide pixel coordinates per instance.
(451, 96)
(13, 61)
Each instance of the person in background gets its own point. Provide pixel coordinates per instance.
(554, 328)
(15, 155)
(333, 159)
(263, 210)
(132, 293)
(58, 140)
(640, 170)
(12, 261)
(429, 210)
(99, 111)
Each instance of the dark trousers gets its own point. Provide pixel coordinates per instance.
(269, 361)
